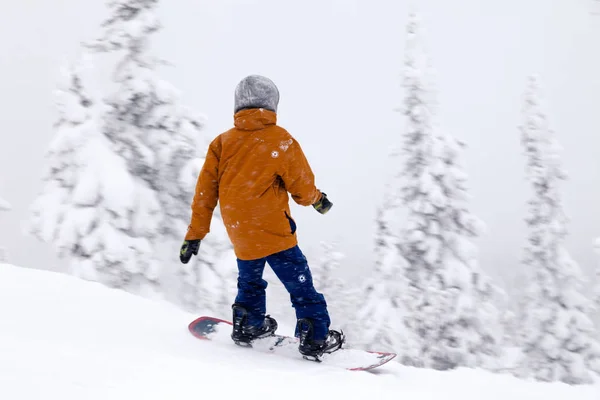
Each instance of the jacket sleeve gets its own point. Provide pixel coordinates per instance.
(298, 177)
(206, 194)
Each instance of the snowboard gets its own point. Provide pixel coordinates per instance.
(218, 330)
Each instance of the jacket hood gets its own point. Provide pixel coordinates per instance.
(254, 119)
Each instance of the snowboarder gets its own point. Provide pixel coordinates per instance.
(249, 170)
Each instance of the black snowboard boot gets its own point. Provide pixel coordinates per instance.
(243, 334)
(313, 349)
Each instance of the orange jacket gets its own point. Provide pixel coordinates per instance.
(250, 169)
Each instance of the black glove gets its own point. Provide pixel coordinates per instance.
(323, 205)
(188, 248)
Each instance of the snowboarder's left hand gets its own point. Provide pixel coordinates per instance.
(323, 205)
(188, 248)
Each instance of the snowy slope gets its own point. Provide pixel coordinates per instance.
(62, 338)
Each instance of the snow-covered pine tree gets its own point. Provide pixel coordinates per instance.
(380, 311)
(507, 311)
(4, 206)
(75, 121)
(149, 129)
(381, 314)
(508, 320)
(558, 333)
(327, 270)
(594, 358)
(342, 296)
(448, 299)
(597, 283)
(87, 199)
(157, 138)
(451, 301)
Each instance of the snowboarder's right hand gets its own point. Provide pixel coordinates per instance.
(323, 205)
(188, 248)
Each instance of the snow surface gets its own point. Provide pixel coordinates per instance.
(65, 338)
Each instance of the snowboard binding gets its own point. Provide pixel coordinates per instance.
(244, 334)
(313, 350)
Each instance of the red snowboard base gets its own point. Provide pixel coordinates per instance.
(218, 330)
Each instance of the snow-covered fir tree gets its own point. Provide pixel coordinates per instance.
(158, 139)
(88, 201)
(74, 125)
(145, 121)
(597, 284)
(558, 342)
(4, 206)
(508, 320)
(448, 298)
(326, 272)
(381, 311)
(342, 294)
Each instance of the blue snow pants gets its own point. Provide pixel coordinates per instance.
(292, 269)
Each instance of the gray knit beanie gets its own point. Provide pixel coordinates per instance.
(256, 91)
